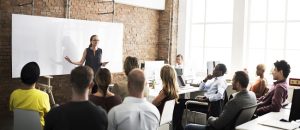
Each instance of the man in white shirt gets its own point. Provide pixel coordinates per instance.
(215, 86)
(135, 113)
(179, 61)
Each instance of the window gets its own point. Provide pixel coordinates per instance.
(272, 32)
(210, 32)
(269, 31)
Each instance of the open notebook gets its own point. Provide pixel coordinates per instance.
(279, 124)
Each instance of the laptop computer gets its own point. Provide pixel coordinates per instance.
(180, 81)
(295, 108)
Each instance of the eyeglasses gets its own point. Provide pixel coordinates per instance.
(96, 40)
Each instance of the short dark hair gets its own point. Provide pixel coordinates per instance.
(222, 67)
(30, 73)
(179, 55)
(103, 79)
(136, 80)
(81, 77)
(130, 63)
(241, 77)
(284, 66)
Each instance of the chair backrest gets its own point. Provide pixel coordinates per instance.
(26, 120)
(167, 113)
(245, 115)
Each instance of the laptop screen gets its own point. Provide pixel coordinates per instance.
(180, 81)
(295, 108)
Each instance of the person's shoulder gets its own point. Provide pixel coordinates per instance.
(151, 107)
(116, 98)
(55, 111)
(281, 86)
(251, 94)
(97, 109)
(39, 92)
(15, 92)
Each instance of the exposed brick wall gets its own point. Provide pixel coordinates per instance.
(145, 36)
(168, 28)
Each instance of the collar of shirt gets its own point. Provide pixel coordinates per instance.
(220, 77)
(279, 81)
(134, 100)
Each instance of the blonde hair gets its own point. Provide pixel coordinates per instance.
(169, 80)
(261, 67)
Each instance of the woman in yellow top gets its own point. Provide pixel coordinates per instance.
(170, 87)
(29, 98)
(259, 87)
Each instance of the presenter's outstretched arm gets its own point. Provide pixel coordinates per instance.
(78, 62)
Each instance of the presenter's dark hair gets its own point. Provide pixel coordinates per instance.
(130, 63)
(81, 77)
(284, 66)
(30, 73)
(242, 78)
(91, 39)
(103, 79)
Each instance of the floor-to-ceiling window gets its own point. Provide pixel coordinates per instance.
(210, 32)
(273, 28)
(270, 32)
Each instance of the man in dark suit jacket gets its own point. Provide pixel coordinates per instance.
(243, 98)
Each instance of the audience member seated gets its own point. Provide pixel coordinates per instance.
(170, 88)
(135, 113)
(120, 88)
(215, 86)
(103, 96)
(179, 61)
(278, 93)
(214, 94)
(242, 99)
(79, 113)
(259, 87)
(29, 98)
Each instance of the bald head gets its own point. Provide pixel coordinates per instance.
(136, 82)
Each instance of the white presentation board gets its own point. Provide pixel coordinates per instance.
(47, 40)
(152, 4)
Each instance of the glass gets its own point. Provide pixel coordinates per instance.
(292, 36)
(274, 55)
(196, 58)
(258, 10)
(293, 10)
(275, 36)
(276, 9)
(291, 56)
(218, 54)
(198, 11)
(219, 11)
(197, 35)
(256, 35)
(255, 57)
(218, 35)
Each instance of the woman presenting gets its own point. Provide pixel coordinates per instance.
(91, 55)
